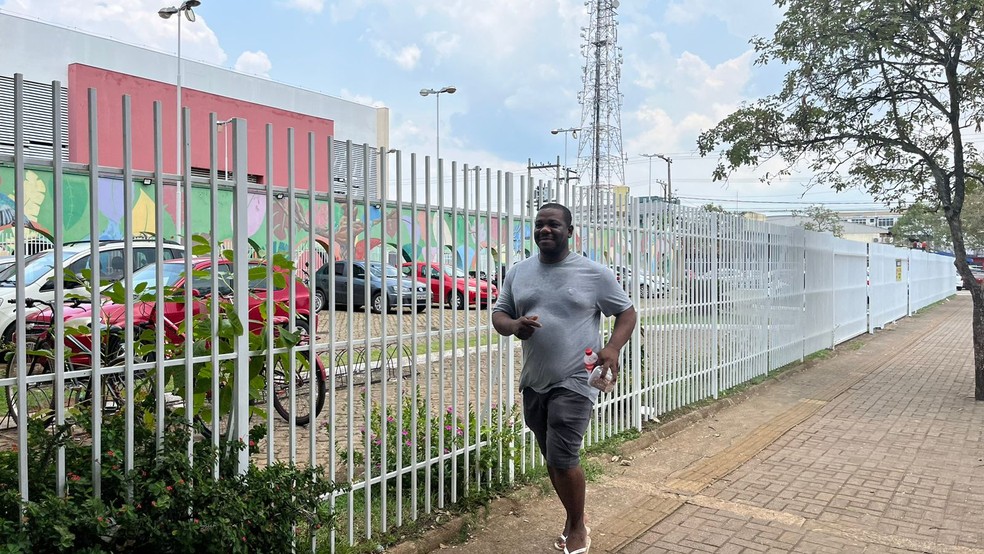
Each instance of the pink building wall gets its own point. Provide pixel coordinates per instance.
(111, 86)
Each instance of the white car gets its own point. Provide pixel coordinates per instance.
(649, 285)
(39, 272)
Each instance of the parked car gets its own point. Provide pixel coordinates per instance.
(978, 273)
(649, 285)
(451, 286)
(414, 293)
(39, 271)
(78, 315)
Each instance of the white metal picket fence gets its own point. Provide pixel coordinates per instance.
(418, 399)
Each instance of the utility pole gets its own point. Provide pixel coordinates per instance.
(537, 196)
(668, 193)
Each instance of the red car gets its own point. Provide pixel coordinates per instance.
(451, 286)
(78, 347)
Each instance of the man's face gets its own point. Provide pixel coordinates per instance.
(551, 232)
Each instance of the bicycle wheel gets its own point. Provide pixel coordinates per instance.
(40, 395)
(302, 384)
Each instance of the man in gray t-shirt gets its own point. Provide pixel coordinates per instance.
(554, 302)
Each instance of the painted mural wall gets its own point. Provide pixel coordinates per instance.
(421, 235)
(479, 241)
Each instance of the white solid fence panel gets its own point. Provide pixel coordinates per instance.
(889, 290)
(418, 389)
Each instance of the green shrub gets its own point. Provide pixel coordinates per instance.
(168, 502)
(405, 439)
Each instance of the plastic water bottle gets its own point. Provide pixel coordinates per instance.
(604, 384)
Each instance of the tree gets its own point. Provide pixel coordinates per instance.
(818, 218)
(712, 207)
(924, 224)
(879, 95)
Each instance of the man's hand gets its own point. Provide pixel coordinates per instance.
(525, 326)
(608, 361)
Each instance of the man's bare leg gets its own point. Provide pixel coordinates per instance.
(569, 484)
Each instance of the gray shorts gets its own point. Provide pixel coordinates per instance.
(558, 419)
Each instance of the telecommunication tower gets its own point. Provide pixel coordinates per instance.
(601, 164)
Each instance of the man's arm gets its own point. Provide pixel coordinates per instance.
(625, 323)
(522, 327)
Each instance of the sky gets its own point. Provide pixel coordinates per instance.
(516, 65)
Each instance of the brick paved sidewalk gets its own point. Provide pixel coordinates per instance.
(877, 449)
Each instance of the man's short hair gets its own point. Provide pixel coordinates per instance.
(568, 218)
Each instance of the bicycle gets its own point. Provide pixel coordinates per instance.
(78, 358)
(42, 396)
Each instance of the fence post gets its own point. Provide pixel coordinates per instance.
(506, 343)
(636, 394)
(240, 396)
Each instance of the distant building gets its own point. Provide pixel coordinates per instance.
(851, 231)
(878, 218)
(44, 53)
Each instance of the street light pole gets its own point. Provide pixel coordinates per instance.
(571, 131)
(186, 7)
(437, 94)
(650, 193)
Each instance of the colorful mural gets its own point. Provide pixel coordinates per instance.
(423, 235)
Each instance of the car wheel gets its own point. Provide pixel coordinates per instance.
(8, 334)
(460, 301)
(420, 308)
(377, 303)
(320, 300)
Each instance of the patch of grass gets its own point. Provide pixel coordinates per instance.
(819, 355)
(610, 446)
(592, 469)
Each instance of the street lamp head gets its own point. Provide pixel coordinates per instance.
(425, 91)
(185, 7)
(554, 131)
(449, 90)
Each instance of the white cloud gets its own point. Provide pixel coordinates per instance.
(744, 21)
(361, 99)
(255, 63)
(406, 57)
(130, 21)
(444, 43)
(312, 6)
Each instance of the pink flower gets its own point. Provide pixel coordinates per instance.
(450, 409)
(390, 419)
(405, 432)
(447, 427)
(409, 443)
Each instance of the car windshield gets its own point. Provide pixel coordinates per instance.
(452, 271)
(377, 270)
(35, 267)
(148, 275)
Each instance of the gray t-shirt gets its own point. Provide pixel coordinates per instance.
(569, 297)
